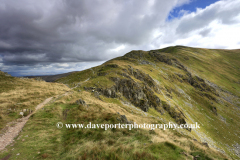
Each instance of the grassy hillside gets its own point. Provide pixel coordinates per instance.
(40, 139)
(175, 84)
(17, 94)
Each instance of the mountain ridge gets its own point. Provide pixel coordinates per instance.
(204, 87)
(179, 84)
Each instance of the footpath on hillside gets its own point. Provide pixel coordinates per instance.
(13, 132)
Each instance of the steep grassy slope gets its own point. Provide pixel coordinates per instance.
(176, 84)
(221, 70)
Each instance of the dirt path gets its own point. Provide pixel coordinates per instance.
(12, 132)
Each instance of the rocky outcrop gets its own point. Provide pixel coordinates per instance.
(198, 83)
(161, 57)
(178, 116)
(145, 78)
(133, 92)
(81, 102)
(139, 94)
(109, 92)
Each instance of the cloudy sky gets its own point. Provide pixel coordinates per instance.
(56, 36)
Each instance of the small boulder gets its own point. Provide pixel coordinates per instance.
(81, 102)
(196, 157)
(124, 119)
(214, 109)
(96, 94)
(205, 144)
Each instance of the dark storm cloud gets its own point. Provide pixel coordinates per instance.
(74, 31)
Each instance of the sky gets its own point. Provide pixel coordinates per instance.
(51, 37)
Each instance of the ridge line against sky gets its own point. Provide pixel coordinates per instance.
(51, 37)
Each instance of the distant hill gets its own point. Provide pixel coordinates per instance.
(51, 78)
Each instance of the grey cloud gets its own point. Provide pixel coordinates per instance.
(75, 31)
(205, 32)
